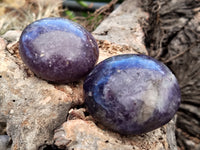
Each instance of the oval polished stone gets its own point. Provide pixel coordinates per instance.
(131, 94)
(58, 49)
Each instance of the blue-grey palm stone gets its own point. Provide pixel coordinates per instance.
(131, 94)
(58, 50)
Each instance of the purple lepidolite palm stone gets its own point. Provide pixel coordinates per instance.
(58, 49)
(131, 94)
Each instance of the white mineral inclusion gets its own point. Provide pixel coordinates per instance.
(56, 41)
(149, 87)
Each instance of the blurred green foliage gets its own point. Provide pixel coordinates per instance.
(70, 14)
(82, 3)
(86, 17)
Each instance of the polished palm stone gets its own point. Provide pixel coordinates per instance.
(58, 50)
(131, 94)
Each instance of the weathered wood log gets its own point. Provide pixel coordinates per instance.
(33, 108)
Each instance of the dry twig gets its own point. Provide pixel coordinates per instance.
(105, 8)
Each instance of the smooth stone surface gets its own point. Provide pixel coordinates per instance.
(132, 94)
(58, 50)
